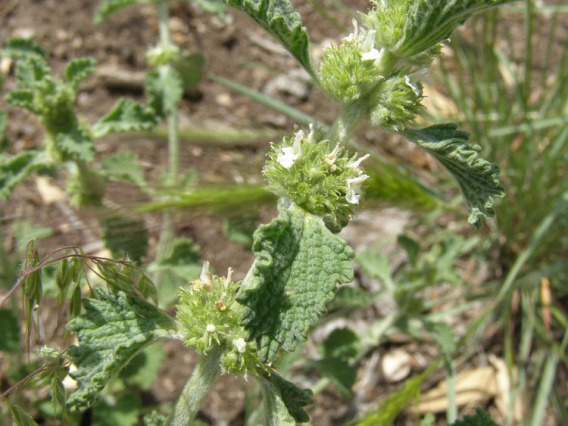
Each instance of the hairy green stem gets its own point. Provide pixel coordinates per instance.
(196, 389)
(346, 123)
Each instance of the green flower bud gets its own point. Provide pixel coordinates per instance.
(387, 18)
(397, 102)
(209, 317)
(351, 71)
(321, 179)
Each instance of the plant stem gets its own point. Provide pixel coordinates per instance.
(345, 124)
(188, 404)
(167, 232)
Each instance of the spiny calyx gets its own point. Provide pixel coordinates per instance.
(322, 179)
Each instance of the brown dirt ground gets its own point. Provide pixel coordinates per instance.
(238, 51)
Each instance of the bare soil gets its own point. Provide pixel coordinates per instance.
(236, 50)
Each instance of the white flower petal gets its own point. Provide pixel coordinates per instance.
(241, 345)
(287, 157)
(354, 189)
(357, 162)
(205, 274)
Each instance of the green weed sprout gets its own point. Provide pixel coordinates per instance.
(243, 328)
(68, 139)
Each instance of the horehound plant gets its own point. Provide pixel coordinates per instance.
(242, 327)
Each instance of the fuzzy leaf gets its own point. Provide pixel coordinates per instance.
(164, 88)
(21, 99)
(480, 418)
(125, 116)
(284, 401)
(114, 328)
(18, 47)
(109, 7)
(15, 169)
(477, 177)
(432, 21)
(298, 265)
(281, 21)
(79, 69)
(32, 69)
(124, 166)
(77, 144)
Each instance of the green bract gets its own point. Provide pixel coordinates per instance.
(322, 179)
(209, 318)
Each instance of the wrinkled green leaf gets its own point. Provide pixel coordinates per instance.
(164, 89)
(109, 7)
(76, 144)
(124, 166)
(79, 69)
(21, 99)
(32, 69)
(125, 116)
(114, 328)
(10, 331)
(14, 170)
(18, 48)
(480, 418)
(432, 21)
(298, 265)
(281, 21)
(284, 401)
(477, 177)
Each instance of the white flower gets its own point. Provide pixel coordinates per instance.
(372, 55)
(354, 189)
(413, 78)
(205, 274)
(356, 163)
(290, 154)
(365, 41)
(355, 34)
(241, 345)
(210, 328)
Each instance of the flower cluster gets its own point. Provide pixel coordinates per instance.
(208, 317)
(322, 179)
(367, 69)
